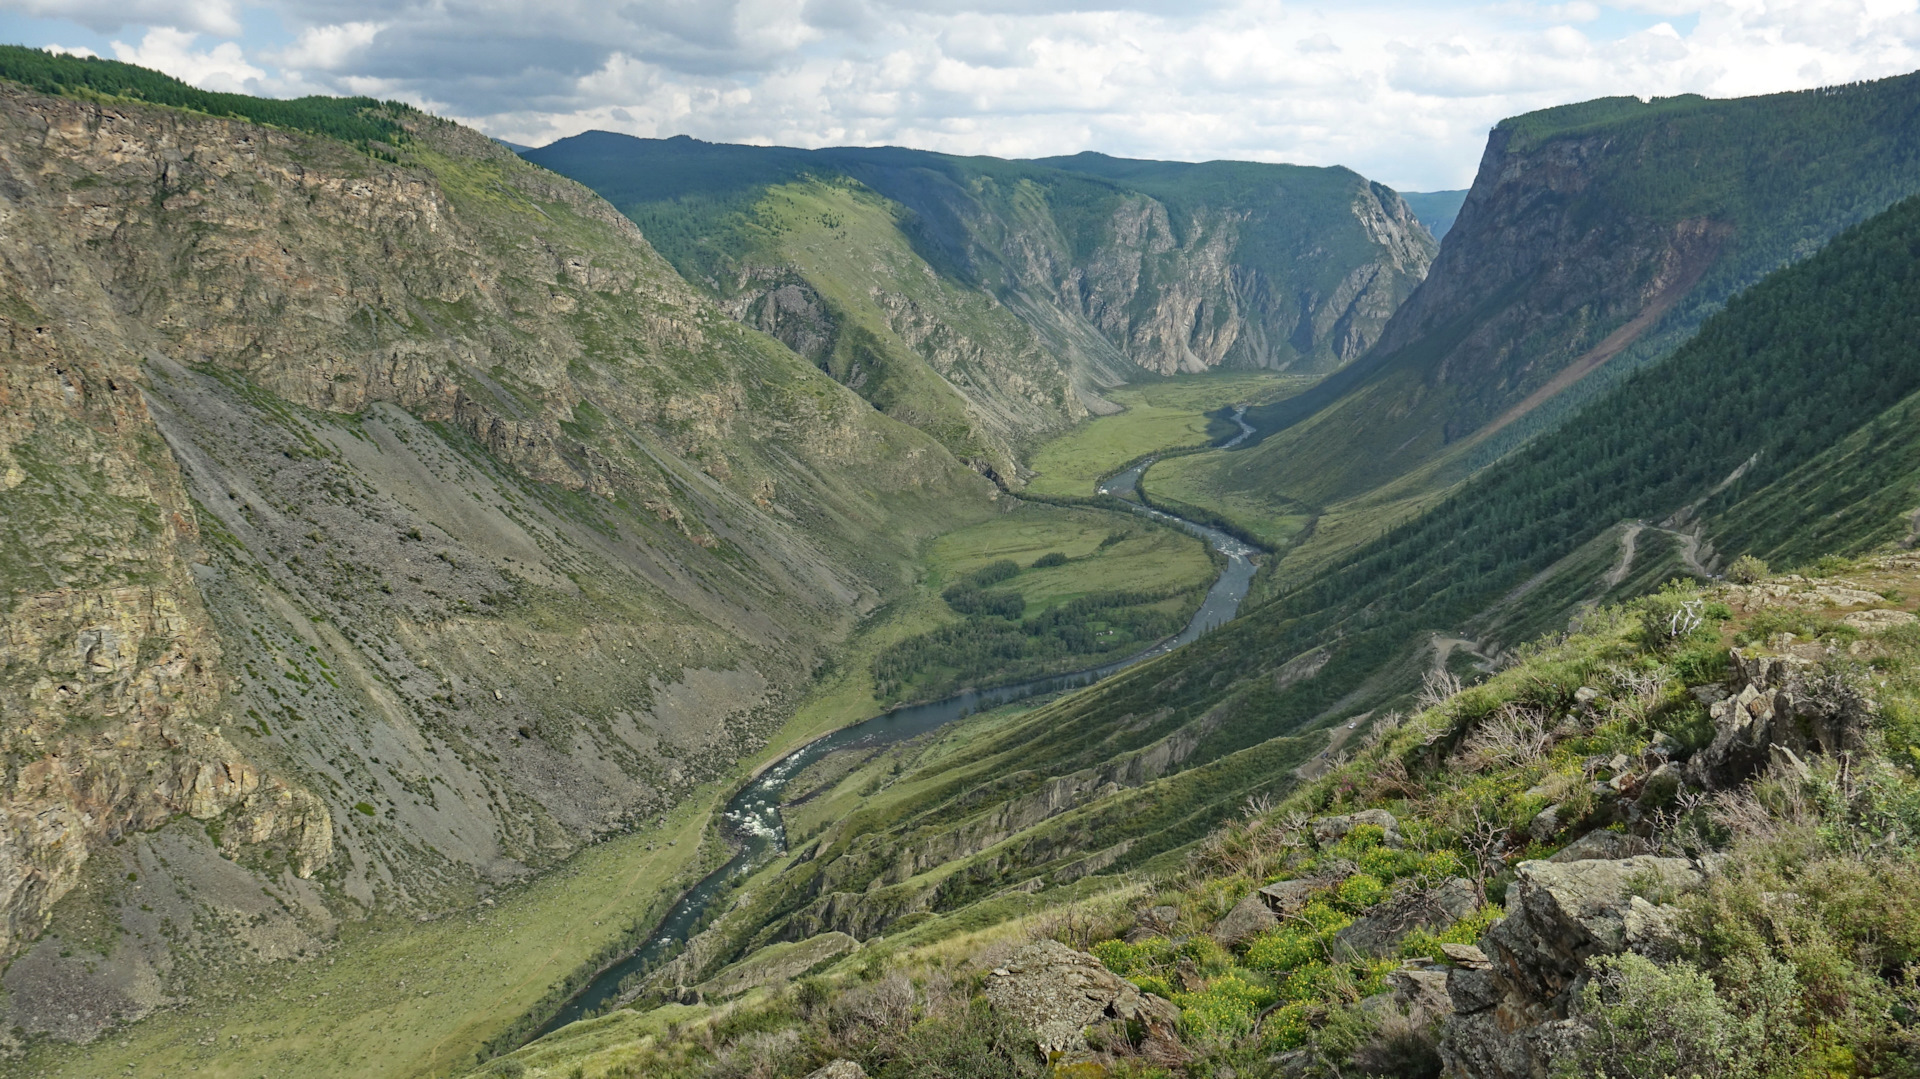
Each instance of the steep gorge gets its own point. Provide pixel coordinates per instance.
(990, 301)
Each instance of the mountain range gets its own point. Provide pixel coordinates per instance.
(419, 551)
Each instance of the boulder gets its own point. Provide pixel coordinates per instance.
(1332, 829)
(1153, 922)
(1287, 896)
(839, 1069)
(1248, 918)
(1380, 931)
(1511, 1019)
(1058, 992)
(1601, 845)
(1467, 956)
(1653, 930)
(1546, 823)
(1421, 995)
(1875, 621)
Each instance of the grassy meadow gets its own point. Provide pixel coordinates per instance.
(1193, 481)
(1163, 413)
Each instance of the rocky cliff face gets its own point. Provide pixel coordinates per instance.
(989, 302)
(1195, 299)
(407, 524)
(1595, 239)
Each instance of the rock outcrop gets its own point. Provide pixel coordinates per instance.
(1380, 931)
(1058, 992)
(1512, 1017)
(1783, 704)
(1250, 917)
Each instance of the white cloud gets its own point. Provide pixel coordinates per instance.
(1400, 90)
(327, 48)
(220, 17)
(223, 67)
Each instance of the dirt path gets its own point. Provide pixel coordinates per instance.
(1628, 540)
(1443, 649)
(1322, 762)
(1690, 552)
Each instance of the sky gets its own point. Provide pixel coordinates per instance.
(1402, 92)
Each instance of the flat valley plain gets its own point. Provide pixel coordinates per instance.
(1161, 414)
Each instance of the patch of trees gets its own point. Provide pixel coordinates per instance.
(994, 646)
(350, 119)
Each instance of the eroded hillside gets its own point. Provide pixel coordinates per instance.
(392, 520)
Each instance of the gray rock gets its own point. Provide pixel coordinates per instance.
(1511, 1020)
(1287, 896)
(1332, 829)
(1421, 995)
(1058, 992)
(1546, 824)
(1483, 1046)
(1473, 990)
(1601, 845)
(1652, 930)
(1382, 929)
(839, 1069)
(1779, 701)
(1249, 917)
(1466, 955)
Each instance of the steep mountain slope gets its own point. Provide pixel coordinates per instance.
(1656, 845)
(1709, 448)
(1595, 239)
(383, 519)
(988, 301)
(1435, 209)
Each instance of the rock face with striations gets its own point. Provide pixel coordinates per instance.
(1511, 1017)
(351, 507)
(1783, 703)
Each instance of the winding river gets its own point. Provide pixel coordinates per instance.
(753, 814)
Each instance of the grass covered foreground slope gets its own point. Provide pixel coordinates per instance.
(991, 301)
(958, 834)
(385, 523)
(1680, 840)
(1596, 238)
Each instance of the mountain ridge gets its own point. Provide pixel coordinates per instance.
(1085, 278)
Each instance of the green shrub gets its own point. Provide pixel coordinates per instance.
(1049, 560)
(1747, 569)
(992, 573)
(1645, 1020)
(968, 1043)
(1678, 614)
(1358, 892)
(1425, 942)
(1224, 1010)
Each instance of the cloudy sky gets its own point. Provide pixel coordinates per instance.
(1402, 91)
